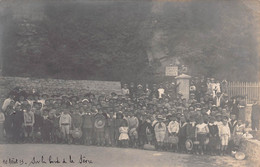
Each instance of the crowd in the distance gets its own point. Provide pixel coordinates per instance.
(141, 116)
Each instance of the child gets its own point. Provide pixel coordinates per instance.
(54, 121)
(109, 131)
(8, 123)
(133, 125)
(37, 127)
(173, 129)
(201, 133)
(2, 119)
(238, 132)
(99, 122)
(118, 122)
(65, 125)
(219, 123)
(213, 136)
(77, 123)
(224, 134)
(87, 127)
(190, 131)
(28, 124)
(124, 138)
(145, 130)
(46, 126)
(160, 131)
(182, 134)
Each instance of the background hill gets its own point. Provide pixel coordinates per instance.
(124, 40)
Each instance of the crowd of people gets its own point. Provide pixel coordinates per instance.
(141, 116)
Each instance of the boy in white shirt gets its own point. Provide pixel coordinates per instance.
(224, 134)
(173, 129)
(201, 134)
(65, 124)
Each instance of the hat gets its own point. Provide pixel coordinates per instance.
(100, 122)
(76, 133)
(44, 94)
(225, 116)
(85, 100)
(189, 144)
(139, 86)
(77, 98)
(160, 117)
(113, 94)
(218, 114)
(240, 156)
(63, 96)
(214, 106)
(212, 118)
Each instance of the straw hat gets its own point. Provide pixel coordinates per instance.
(77, 133)
(160, 117)
(189, 144)
(240, 156)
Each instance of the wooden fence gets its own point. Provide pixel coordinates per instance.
(251, 90)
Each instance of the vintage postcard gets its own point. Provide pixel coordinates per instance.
(129, 83)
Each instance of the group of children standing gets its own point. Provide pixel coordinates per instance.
(168, 124)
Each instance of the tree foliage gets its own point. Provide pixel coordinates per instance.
(111, 40)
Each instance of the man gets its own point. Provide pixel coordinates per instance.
(218, 99)
(7, 102)
(255, 116)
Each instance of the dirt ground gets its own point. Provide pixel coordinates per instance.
(39, 155)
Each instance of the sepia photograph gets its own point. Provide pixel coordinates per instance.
(129, 83)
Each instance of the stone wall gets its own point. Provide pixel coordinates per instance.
(57, 86)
